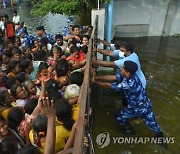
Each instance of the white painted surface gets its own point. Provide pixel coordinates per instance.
(101, 26)
(136, 18)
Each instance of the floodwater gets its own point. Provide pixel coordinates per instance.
(160, 61)
(53, 23)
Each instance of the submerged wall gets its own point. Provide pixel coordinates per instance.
(138, 18)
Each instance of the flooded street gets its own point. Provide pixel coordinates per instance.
(160, 60)
(53, 23)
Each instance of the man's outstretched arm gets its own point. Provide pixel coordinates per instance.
(104, 63)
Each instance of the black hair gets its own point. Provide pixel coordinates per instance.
(77, 78)
(71, 42)
(62, 67)
(51, 85)
(54, 95)
(7, 41)
(90, 27)
(42, 66)
(2, 97)
(128, 46)
(14, 11)
(43, 42)
(25, 62)
(29, 150)
(39, 55)
(40, 28)
(64, 113)
(6, 16)
(75, 26)
(13, 89)
(39, 124)
(86, 36)
(74, 49)
(117, 44)
(6, 54)
(9, 81)
(21, 77)
(24, 49)
(17, 37)
(2, 118)
(15, 117)
(30, 105)
(16, 50)
(29, 56)
(9, 146)
(13, 64)
(84, 48)
(58, 36)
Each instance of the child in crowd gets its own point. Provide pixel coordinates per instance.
(19, 93)
(14, 68)
(42, 74)
(16, 53)
(36, 46)
(85, 40)
(4, 58)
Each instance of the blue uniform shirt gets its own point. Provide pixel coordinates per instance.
(28, 41)
(132, 57)
(134, 92)
(50, 38)
(66, 31)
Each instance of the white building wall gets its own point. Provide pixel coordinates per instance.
(175, 28)
(136, 18)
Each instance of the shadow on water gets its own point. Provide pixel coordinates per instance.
(53, 23)
(160, 61)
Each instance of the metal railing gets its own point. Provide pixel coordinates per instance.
(84, 102)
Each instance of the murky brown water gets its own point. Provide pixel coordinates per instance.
(160, 60)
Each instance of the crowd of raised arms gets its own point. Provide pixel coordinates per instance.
(40, 82)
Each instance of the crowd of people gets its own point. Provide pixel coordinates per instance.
(10, 3)
(40, 83)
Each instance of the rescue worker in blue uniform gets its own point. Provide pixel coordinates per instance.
(68, 29)
(42, 34)
(26, 40)
(139, 105)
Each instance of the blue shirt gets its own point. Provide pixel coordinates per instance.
(28, 41)
(132, 57)
(66, 31)
(49, 37)
(134, 93)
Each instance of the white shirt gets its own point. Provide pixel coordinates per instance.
(2, 25)
(16, 19)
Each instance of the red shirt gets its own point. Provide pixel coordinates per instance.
(81, 57)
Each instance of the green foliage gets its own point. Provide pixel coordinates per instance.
(68, 7)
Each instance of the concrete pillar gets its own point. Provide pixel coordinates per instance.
(100, 27)
(170, 14)
(109, 24)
